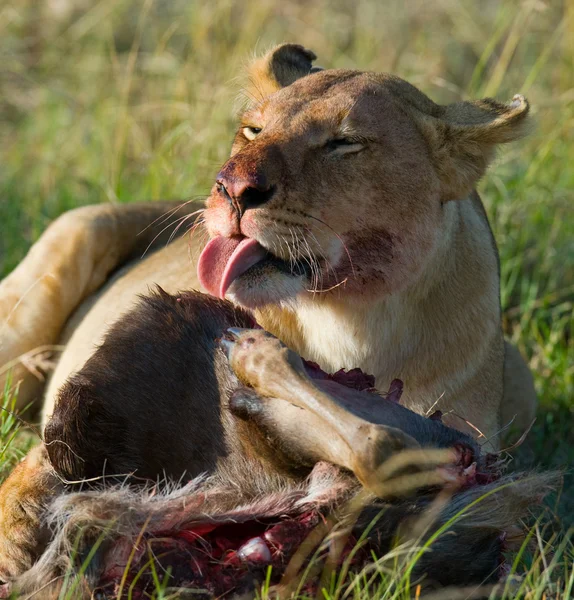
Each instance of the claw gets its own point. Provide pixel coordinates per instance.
(227, 347)
(236, 332)
(245, 403)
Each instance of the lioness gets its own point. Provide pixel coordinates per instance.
(346, 219)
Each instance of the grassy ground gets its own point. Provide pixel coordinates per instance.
(123, 100)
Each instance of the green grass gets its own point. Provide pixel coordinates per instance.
(120, 100)
(15, 437)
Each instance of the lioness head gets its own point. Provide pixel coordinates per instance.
(340, 182)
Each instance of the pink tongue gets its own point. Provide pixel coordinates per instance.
(224, 259)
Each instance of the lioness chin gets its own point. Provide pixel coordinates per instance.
(346, 219)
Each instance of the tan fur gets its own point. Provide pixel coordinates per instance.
(69, 263)
(422, 306)
(23, 502)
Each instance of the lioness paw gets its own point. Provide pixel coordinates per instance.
(23, 500)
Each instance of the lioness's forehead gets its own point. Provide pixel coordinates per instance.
(326, 97)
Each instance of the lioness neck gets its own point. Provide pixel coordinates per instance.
(435, 335)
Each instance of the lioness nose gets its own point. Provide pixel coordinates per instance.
(245, 192)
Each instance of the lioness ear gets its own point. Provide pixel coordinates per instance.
(463, 139)
(279, 68)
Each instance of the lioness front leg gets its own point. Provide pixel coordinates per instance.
(24, 497)
(307, 417)
(69, 262)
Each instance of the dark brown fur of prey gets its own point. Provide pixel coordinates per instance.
(148, 402)
(153, 405)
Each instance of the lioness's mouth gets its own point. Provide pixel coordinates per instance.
(225, 259)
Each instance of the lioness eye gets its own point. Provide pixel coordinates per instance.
(251, 132)
(344, 145)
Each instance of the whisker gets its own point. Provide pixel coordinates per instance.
(164, 216)
(315, 268)
(331, 288)
(277, 247)
(308, 259)
(192, 232)
(274, 248)
(291, 257)
(294, 251)
(168, 214)
(323, 256)
(338, 237)
(300, 254)
(329, 266)
(195, 251)
(199, 220)
(167, 227)
(181, 222)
